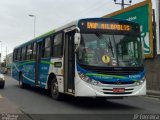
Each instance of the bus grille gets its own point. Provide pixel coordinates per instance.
(117, 72)
(117, 93)
(110, 91)
(117, 83)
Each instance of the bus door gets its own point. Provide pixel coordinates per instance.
(69, 61)
(38, 61)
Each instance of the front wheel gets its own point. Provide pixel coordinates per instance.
(54, 90)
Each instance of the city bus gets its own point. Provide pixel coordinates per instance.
(91, 57)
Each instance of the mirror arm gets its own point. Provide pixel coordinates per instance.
(77, 30)
(76, 48)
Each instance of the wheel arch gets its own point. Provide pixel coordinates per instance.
(50, 78)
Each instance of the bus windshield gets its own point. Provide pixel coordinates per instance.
(106, 50)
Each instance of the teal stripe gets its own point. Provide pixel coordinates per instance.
(102, 75)
(29, 62)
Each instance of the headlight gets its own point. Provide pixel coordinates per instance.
(87, 79)
(140, 82)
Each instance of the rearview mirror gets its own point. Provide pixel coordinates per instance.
(77, 39)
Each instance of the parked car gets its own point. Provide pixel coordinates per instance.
(3, 70)
(2, 81)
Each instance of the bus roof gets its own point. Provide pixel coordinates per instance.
(74, 23)
(48, 33)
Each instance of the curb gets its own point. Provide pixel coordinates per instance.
(153, 93)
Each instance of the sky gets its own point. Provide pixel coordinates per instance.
(17, 27)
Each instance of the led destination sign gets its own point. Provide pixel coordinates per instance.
(108, 26)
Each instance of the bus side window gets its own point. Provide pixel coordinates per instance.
(29, 52)
(34, 51)
(14, 55)
(57, 48)
(24, 53)
(42, 49)
(19, 54)
(52, 45)
(47, 47)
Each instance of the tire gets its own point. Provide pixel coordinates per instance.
(54, 90)
(2, 85)
(21, 83)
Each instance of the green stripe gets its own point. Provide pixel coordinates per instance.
(29, 62)
(25, 63)
(115, 76)
(46, 62)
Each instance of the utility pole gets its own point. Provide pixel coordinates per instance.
(6, 55)
(122, 3)
(34, 16)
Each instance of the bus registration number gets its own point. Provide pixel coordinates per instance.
(118, 90)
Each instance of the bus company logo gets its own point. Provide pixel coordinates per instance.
(118, 82)
(134, 76)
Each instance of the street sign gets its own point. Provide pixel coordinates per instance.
(140, 13)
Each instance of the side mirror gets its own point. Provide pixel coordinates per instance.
(77, 40)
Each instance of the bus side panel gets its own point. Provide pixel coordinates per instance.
(28, 72)
(43, 72)
(57, 69)
(15, 71)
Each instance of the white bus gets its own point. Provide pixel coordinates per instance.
(94, 57)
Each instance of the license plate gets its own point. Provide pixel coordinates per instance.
(118, 90)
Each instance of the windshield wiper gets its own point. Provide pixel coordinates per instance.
(110, 46)
(108, 43)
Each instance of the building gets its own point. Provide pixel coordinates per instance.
(158, 25)
(9, 60)
(150, 34)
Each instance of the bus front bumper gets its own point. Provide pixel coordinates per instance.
(87, 90)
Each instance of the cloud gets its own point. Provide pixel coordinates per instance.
(16, 26)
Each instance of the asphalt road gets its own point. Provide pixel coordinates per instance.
(37, 101)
